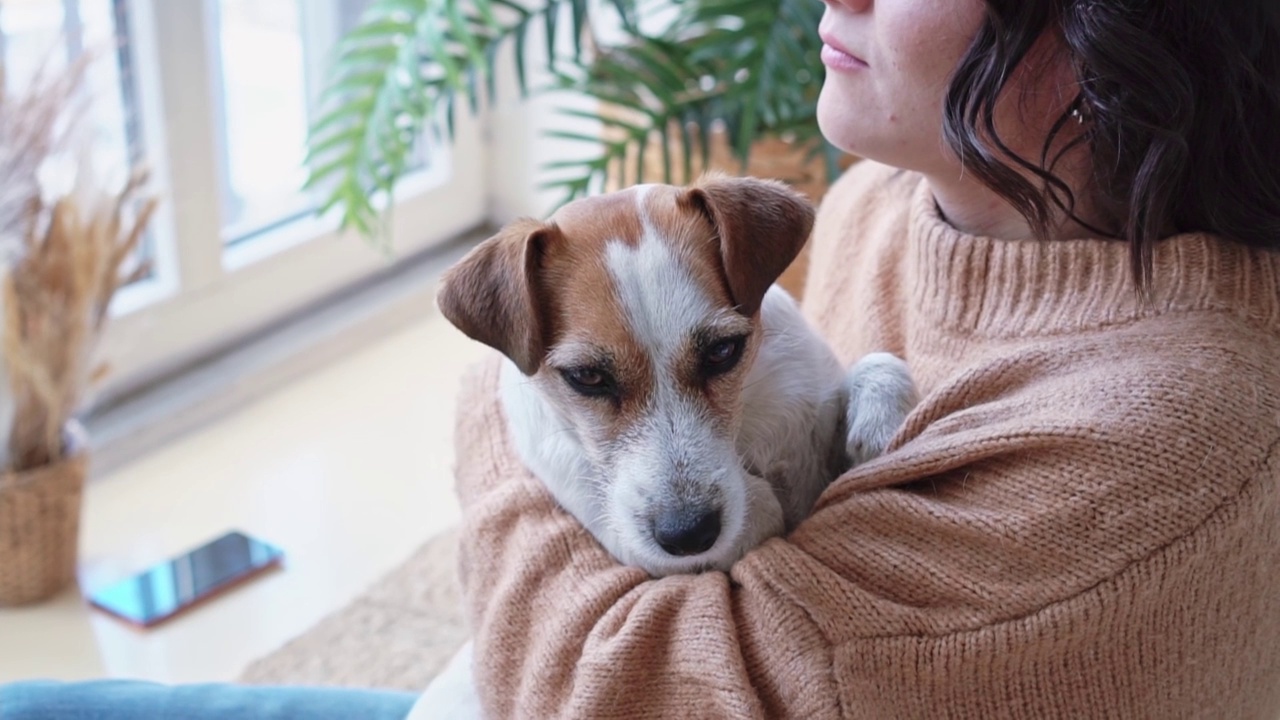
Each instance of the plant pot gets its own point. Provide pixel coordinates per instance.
(40, 526)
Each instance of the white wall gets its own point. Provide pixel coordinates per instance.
(516, 146)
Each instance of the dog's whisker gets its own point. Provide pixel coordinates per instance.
(549, 436)
(772, 333)
(750, 385)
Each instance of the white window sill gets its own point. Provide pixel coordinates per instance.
(126, 425)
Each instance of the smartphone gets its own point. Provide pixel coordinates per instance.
(171, 587)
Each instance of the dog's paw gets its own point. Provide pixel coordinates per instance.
(881, 393)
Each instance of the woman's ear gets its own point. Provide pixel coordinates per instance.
(761, 225)
(492, 294)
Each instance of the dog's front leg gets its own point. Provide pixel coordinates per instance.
(880, 394)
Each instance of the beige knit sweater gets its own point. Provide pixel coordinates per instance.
(1082, 518)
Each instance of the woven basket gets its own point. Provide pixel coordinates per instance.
(40, 526)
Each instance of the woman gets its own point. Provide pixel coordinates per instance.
(1083, 516)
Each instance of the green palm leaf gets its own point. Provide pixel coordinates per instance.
(399, 72)
(751, 66)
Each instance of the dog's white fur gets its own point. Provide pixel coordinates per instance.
(802, 420)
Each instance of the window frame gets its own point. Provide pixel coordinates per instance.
(203, 294)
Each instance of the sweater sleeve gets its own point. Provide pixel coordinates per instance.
(1021, 486)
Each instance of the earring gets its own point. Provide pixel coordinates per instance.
(1079, 111)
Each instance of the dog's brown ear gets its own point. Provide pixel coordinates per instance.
(761, 224)
(492, 294)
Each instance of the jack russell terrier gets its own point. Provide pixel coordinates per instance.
(671, 397)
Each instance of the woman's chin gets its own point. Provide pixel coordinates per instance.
(831, 121)
(856, 128)
(842, 120)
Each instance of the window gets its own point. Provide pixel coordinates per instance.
(270, 69)
(215, 96)
(35, 34)
(41, 35)
(260, 88)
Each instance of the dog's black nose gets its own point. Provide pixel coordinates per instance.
(687, 532)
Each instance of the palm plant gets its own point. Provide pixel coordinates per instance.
(749, 69)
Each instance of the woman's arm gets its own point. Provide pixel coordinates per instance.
(1021, 487)
(564, 630)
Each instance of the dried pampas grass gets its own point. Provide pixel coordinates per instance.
(35, 125)
(68, 256)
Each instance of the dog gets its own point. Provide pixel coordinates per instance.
(657, 381)
(666, 391)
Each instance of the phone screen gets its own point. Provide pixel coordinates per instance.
(172, 586)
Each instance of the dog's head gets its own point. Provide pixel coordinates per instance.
(636, 314)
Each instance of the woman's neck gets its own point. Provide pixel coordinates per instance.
(973, 208)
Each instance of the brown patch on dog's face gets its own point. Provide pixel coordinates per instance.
(602, 286)
(592, 222)
(588, 326)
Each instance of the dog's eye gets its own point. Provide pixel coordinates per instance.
(723, 355)
(589, 381)
(587, 377)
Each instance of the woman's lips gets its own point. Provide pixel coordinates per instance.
(836, 57)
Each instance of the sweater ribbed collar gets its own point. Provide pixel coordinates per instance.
(985, 286)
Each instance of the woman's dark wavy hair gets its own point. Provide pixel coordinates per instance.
(1180, 101)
